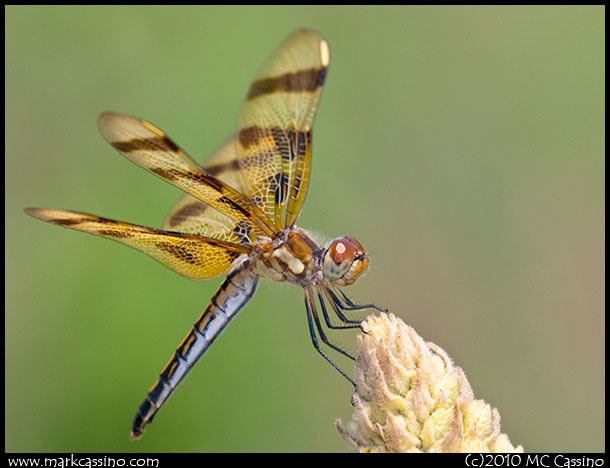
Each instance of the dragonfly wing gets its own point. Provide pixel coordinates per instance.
(224, 165)
(192, 215)
(150, 148)
(274, 127)
(195, 257)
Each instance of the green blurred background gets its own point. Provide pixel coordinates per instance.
(463, 146)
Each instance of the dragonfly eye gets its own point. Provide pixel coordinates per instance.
(345, 261)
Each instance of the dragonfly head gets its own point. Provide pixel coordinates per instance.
(344, 261)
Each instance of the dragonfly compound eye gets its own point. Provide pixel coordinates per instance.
(345, 260)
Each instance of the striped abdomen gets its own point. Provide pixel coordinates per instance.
(232, 295)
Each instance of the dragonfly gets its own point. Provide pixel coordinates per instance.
(239, 211)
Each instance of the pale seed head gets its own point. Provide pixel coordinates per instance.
(412, 398)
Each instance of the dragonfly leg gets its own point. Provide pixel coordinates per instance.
(343, 318)
(349, 305)
(338, 306)
(314, 313)
(310, 308)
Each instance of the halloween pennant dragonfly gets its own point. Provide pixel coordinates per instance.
(240, 210)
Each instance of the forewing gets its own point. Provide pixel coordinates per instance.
(194, 216)
(195, 257)
(150, 148)
(274, 127)
(224, 165)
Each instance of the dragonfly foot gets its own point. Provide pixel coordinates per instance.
(352, 400)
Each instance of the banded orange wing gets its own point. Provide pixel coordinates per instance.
(193, 256)
(192, 215)
(150, 148)
(274, 127)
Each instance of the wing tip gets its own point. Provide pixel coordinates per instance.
(324, 49)
(115, 126)
(105, 122)
(324, 53)
(36, 212)
(108, 116)
(307, 31)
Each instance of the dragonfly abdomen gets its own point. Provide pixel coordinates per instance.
(234, 292)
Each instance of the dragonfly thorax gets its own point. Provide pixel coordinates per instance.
(291, 256)
(295, 257)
